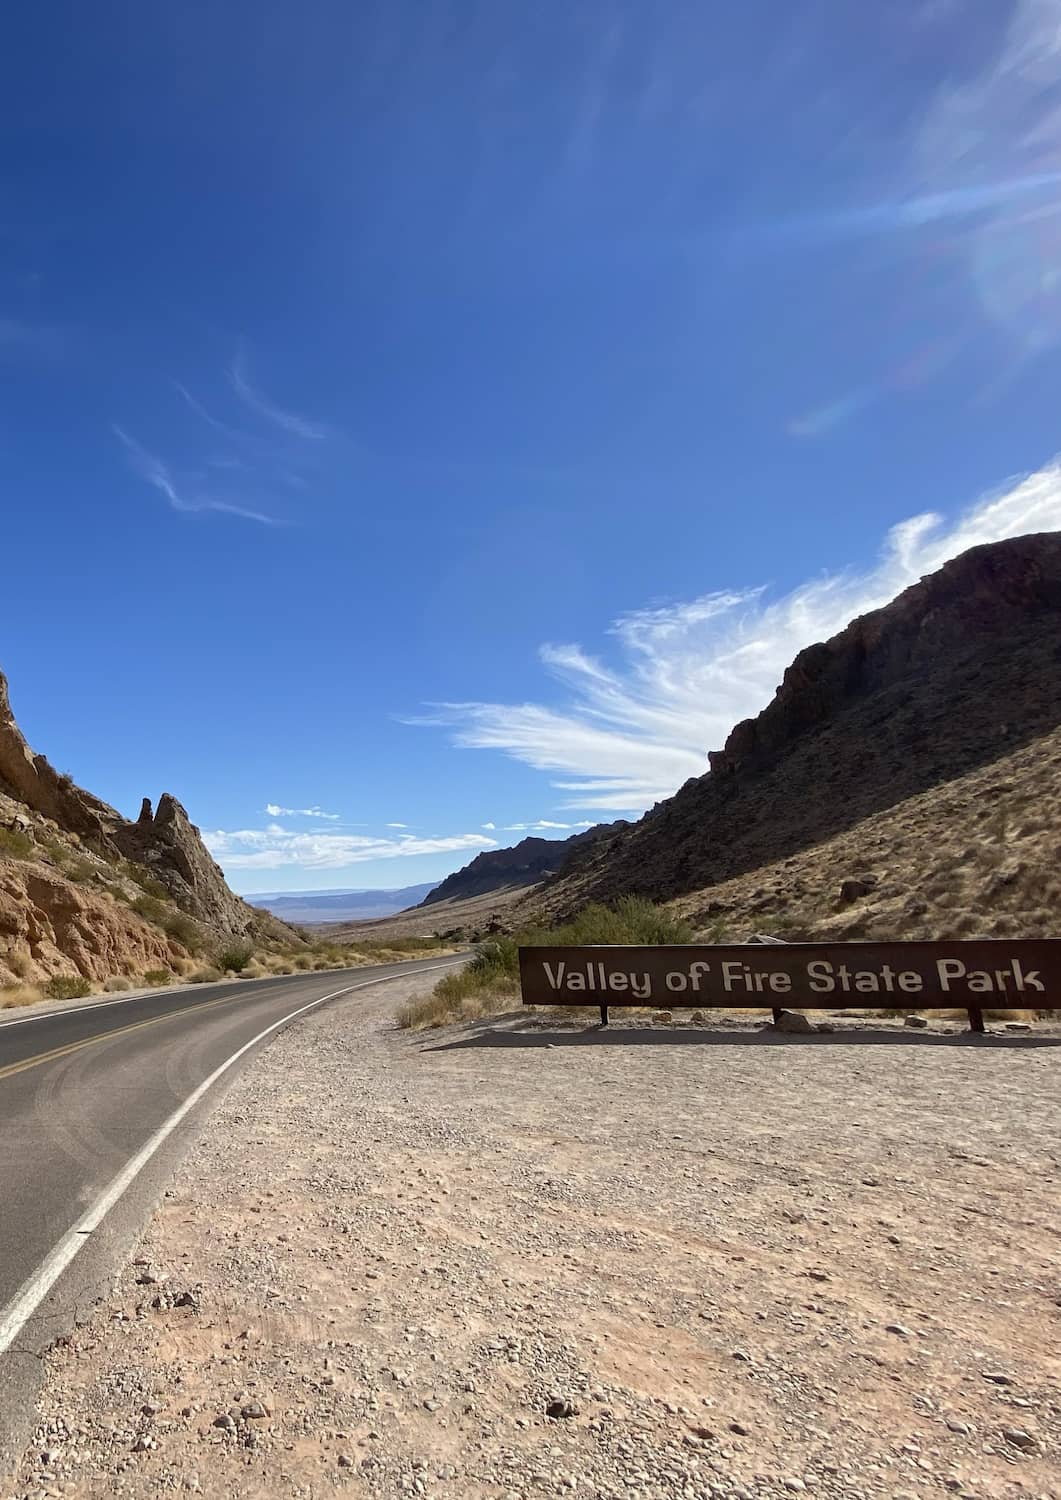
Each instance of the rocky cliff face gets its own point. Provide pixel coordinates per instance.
(31, 780)
(51, 925)
(960, 669)
(82, 888)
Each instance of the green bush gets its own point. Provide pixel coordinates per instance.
(16, 844)
(492, 976)
(151, 909)
(145, 880)
(182, 929)
(79, 870)
(155, 977)
(235, 957)
(67, 987)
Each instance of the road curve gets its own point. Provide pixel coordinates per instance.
(94, 1101)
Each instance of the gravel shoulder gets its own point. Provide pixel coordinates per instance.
(730, 1264)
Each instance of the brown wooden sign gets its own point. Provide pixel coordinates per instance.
(978, 974)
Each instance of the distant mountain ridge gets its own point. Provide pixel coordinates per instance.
(524, 864)
(359, 905)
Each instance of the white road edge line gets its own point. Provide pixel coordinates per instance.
(15, 1316)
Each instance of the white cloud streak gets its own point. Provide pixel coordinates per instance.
(261, 405)
(156, 473)
(299, 812)
(542, 825)
(276, 847)
(630, 734)
(397, 825)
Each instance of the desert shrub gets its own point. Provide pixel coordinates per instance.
(155, 977)
(67, 987)
(151, 909)
(148, 883)
(182, 929)
(489, 982)
(378, 947)
(16, 844)
(19, 994)
(235, 957)
(206, 975)
(117, 982)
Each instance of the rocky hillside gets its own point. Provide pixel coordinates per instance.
(526, 863)
(86, 892)
(979, 856)
(961, 671)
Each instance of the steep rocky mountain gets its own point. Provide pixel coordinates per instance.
(961, 670)
(84, 890)
(524, 864)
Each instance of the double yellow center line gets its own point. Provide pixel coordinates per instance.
(40, 1058)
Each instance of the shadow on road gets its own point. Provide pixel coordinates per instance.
(500, 1031)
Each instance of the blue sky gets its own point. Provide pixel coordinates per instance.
(452, 417)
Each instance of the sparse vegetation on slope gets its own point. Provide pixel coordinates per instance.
(979, 856)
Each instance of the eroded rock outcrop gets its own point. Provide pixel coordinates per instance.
(171, 847)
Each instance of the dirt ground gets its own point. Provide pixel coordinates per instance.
(519, 1260)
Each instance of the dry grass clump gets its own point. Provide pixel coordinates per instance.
(12, 995)
(458, 997)
(206, 975)
(20, 963)
(116, 983)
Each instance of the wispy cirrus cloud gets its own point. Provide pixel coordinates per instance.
(243, 466)
(276, 847)
(155, 472)
(542, 825)
(619, 737)
(262, 406)
(299, 812)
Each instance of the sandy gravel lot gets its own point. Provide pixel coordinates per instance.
(729, 1264)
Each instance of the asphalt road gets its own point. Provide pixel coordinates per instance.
(88, 1096)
